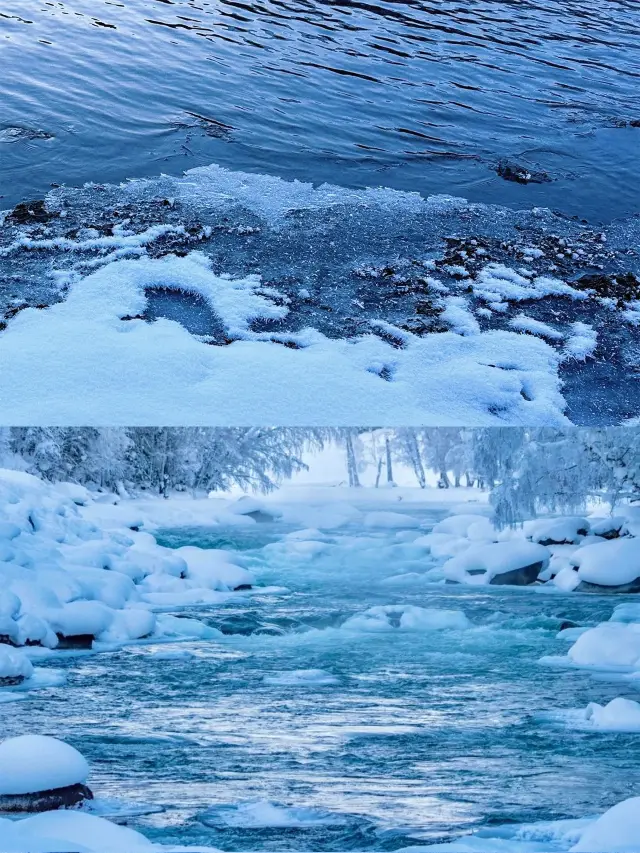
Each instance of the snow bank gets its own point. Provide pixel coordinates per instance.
(33, 763)
(407, 618)
(513, 562)
(72, 577)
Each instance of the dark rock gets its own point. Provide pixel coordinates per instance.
(520, 174)
(568, 624)
(259, 515)
(76, 641)
(28, 212)
(242, 586)
(518, 577)
(624, 287)
(44, 801)
(11, 680)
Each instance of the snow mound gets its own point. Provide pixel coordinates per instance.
(407, 618)
(556, 531)
(610, 645)
(14, 665)
(617, 831)
(33, 763)
(612, 563)
(512, 562)
(64, 831)
(301, 678)
(456, 525)
(619, 715)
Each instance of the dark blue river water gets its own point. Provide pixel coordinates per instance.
(425, 96)
(423, 735)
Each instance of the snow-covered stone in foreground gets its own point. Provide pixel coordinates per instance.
(514, 562)
(40, 773)
(617, 831)
(407, 618)
(63, 832)
(609, 566)
(556, 531)
(15, 667)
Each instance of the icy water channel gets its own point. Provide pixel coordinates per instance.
(422, 736)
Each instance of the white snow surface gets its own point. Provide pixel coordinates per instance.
(406, 618)
(137, 372)
(33, 763)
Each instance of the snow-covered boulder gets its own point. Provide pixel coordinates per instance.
(15, 667)
(610, 645)
(39, 773)
(214, 569)
(616, 831)
(556, 531)
(514, 562)
(619, 715)
(66, 831)
(609, 528)
(612, 566)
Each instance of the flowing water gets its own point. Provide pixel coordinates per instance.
(426, 96)
(419, 737)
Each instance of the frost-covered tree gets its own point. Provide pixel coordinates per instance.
(553, 470)
(160, 459)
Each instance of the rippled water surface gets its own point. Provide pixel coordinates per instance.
(425, 96)
(424, 736)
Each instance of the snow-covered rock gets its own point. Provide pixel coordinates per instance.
(514, 562)
(556, 531)
(619, 715)
(15, 667)
(214, 569)
(610, 645)
(39, 773)
(610, 566)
